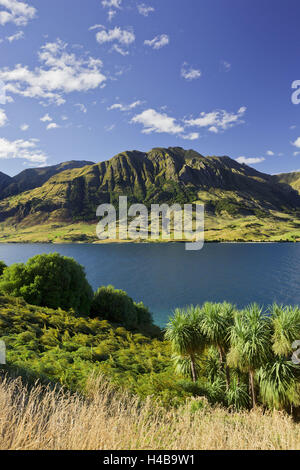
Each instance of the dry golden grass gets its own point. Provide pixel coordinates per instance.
(42, 418)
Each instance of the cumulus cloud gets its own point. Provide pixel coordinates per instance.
(217, 120)
(23, 149)
(17, 12)
(158, 42)
(125, 107)
(145, 9)
(249, 161)
(60, 73)
(3, 118)
(16, 37)
(296, 143)
(46, 118)
(123, 36)
(191, 136)
(52, 125)
(154, 121)
(189, 73)
(24, 127)
(119, 37)
(270, 153)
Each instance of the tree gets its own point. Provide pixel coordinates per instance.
(279, 383)
(286, 328)
(114, 305)
(49, 280)
(216, 321)
(188, 342)
(2, 267)
(250, 343)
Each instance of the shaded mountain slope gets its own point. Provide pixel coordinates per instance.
(289, 179)
(34, 177)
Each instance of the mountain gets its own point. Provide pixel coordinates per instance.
(34, 177)
(290, 179)
(5, 180)
(229, 190)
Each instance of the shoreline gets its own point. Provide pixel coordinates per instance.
(169, 242)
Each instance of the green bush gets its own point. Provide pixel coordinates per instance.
(116, 306)
(51, 280)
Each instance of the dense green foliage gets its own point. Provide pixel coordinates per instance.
(116, 306)
(51, 280)
(67, 348)
(248, 348)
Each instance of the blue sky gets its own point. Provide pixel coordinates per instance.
(89, 79)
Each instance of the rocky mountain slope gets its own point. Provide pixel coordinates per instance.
(173, 175)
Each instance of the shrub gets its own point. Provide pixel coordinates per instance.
(51, 280)
(116, 306)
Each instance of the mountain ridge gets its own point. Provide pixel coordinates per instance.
(163, 175)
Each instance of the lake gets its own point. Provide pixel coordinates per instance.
(165, 276)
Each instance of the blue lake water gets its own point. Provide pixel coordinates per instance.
(165, 276)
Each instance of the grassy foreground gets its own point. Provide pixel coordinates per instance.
(44, 418)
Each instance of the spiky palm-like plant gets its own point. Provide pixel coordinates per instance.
(279, 383)
(183, 331)
(216, 321)
(251, 336)
(286, 328)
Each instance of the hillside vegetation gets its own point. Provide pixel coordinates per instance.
(60, 204)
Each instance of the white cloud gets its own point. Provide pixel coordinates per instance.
(125, 107)
(191, 136)
(3, 118)
(249, 161)
(23, 149)
(111, 3)
(296, 143)
(16, 37)
(145, 9)
(217, 120)
(119, 49)
(24, 127)
(158, 42)
(153, 121)
(61, 73)
(46, 118)
(189, 73)
(17, 12)
(270, 153)
(122, 36)
(296, 154)
(82, 107)
(52, 125)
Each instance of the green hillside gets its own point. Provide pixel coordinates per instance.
(291, 179)
(241, 203)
